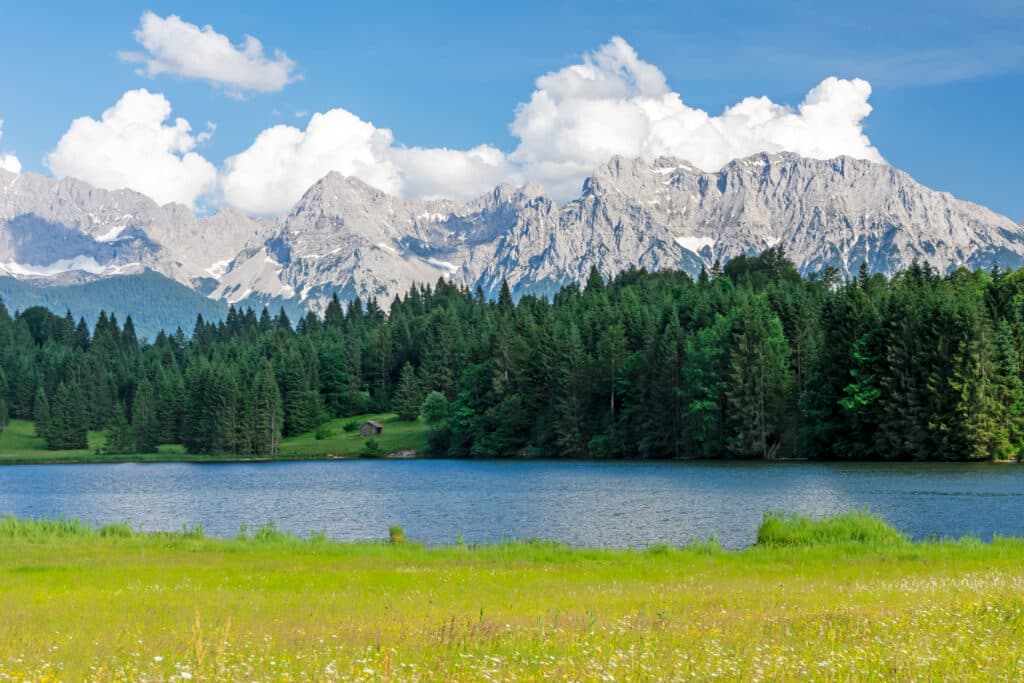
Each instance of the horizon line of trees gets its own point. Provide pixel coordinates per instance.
(747, 360)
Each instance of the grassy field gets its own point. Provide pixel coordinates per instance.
(19, 445)
(398, 435)
(846, 599)
(19, 441)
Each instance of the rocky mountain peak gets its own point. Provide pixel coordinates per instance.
(348, 237)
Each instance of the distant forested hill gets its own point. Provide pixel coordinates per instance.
(154, 301)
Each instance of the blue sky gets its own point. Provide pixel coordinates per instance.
(947, 78)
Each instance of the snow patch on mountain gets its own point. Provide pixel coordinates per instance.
(694, 244)
(84, 264)
(346, 237)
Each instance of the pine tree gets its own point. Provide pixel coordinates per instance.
(170, 406)
(82, 335)
(611, 352)
(759, 381)
(67, 427)
(41, 413)
(595, 282)
(295, 367)
(408, 397)
(120, 438)
(704, 383)
(664, 432)
(146, 418)
(571, 431)
(4, 410)
(505, 303)
(335, 383)
(334, 317)
(268, 413)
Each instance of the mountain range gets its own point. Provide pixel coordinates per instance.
(346, 237)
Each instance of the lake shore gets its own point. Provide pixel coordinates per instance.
(836, 600)
(337, 440)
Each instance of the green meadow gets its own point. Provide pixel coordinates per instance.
(840, 599)
(20, 445)
(398, 435)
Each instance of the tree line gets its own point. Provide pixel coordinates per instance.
(746, 360)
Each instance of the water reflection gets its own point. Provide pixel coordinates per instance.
(585, 503)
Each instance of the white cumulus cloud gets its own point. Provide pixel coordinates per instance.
(133, 145)
(174, 46)
(431, 173)
(615, 103)
(8, 162)
(576, 119)
(612, 103)
(283, 161)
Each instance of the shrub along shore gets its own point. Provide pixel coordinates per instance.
(837, 599)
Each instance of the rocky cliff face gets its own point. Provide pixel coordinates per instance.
(52, 228)
(344, 236)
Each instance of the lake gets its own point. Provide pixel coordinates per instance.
(615, 504)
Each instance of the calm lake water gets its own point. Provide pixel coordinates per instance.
(584, 503)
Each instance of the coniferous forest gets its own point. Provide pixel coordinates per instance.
(748, 360)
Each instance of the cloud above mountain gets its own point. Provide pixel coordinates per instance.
(174, 46)
(576, 119)
(133, 145)
(8, 162)
(611, 103)
(284, 161)
(616, 103)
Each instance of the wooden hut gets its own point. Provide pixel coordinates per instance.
(370, 428)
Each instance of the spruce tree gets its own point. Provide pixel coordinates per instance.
(4, 410)
(120, 438)
(68, 428)
(41, 413)
(569, 427)
(759, 381)
(146, 418)
(408, 397)
(335, 383)
(268, 413)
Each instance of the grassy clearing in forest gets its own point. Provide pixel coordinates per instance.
(20, 445)
(835, 600)
(398, 435)
(18, 442)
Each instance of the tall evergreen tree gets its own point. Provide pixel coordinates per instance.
(41, 413)
(120, 438)
(4, 410)
(268, 413)
(67, 428)
(408, 397)
(146, 423)
(759, 381)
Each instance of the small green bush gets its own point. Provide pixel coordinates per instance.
(782, 529)
(351, 426)
(371, 448)
(324, 432)
(396, 534)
